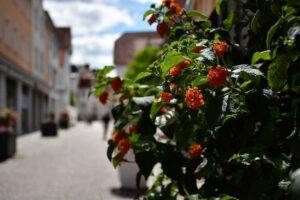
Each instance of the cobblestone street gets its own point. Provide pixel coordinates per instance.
(72, 166)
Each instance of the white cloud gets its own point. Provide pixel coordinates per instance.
(94, 49)
(88, 20)
(149, 1)
(87, 16)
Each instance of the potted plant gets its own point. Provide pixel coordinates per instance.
(49, 128)
(7, 137)
(228, 105)
(64, 120)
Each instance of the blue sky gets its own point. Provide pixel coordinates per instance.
(96, 24)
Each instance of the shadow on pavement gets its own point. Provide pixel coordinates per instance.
(128, 193)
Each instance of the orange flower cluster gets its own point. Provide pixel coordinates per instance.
(116, 84)
(103, 97)
(166, 96)
(177, 70)
(176, 8)
(162, 28)
(133, 129)
(195, 150)
(217, 76)
(124, 145)
(220, 47)
(163, 109)
(117, 136)
(152, 19)
(194, 98)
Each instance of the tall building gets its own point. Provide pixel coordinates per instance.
(62, 82)
(29, 54)
(128, 44)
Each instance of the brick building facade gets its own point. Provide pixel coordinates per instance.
(28, 47)
(129, 43)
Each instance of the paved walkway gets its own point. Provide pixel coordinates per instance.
(72, 166)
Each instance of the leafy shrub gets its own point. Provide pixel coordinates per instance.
(226, 104)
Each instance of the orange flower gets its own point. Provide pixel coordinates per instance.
(166, 96)
(167, 2)
(175, 71)
(184, 64)
(117, 136)
(197, 49)
(194, 98)
(217, 76)
(195, 150)
(133, 129)
(116, 84)
(220, 47)
(124, 145)
(176, 8)
(163, 28)
(103, 97)
(164, 109)
(152, 19)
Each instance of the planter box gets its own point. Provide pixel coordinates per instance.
(64, 124)
(7, 145)
(128, 172)
(49, 129)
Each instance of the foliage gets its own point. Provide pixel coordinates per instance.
(235, 96)
(141, 60)
(72, 99)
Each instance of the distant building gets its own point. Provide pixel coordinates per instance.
(128, 44)
(62, 86)
(29, 49)
(88, 107)
(204, 6)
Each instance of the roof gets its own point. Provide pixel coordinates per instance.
(64, 38)
(131, 42)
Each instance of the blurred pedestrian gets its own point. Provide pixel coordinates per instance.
(105, 120)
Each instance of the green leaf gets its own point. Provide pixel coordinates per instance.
(172, 164)
(117, 159)
(134, 138)
(227, 197)
(195, 13)
(199, 81)
(173, 58)
(255, 21)
(143, 101)
(272, 31)
(104, 71)
(219, 5)
(194, 197)
(142, 75)
(229, 21)
(147, 13)
(155, 108)
(207, 54)
(146, 125)
(110, 150)
(277, 71)
(246, 71)
(146, 161)
(264, 55)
